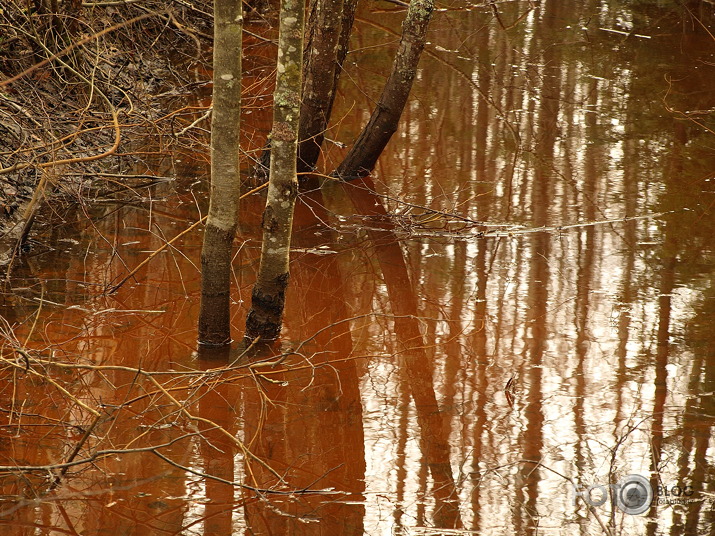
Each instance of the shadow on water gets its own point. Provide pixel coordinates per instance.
(430, 379)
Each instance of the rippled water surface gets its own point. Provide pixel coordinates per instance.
(442, 375)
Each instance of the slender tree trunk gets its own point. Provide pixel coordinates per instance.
(265, 317)
(222, 221)
(363, 155)
(330, 23)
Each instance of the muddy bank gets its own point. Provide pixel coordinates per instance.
(83, 91)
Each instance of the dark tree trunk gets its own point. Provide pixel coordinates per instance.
(346, 30)
(363, 155)
(330, 23)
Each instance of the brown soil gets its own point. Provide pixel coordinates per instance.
(92, 97)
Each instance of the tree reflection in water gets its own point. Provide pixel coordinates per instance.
(403, 329)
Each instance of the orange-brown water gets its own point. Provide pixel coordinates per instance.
(442, 377)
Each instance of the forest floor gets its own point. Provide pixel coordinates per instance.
(81, 93)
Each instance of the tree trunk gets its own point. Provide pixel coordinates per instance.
(329, 25)
(222, 221)
(363, 155)
(268, 298)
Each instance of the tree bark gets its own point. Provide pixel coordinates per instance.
(222, 221)
(267, 301)
(330, 23)
(363, 155)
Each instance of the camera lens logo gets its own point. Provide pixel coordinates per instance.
(634, 495)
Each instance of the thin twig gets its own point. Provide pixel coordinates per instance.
(191, 227)
(71, 47)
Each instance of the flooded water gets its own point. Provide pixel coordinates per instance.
(437, 374)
